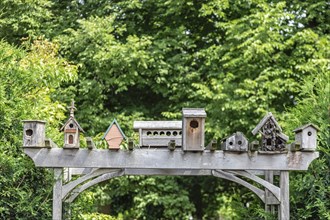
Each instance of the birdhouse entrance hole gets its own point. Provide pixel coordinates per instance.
(70, 139)
(194, 124)
(269, 142)
(29, 132)
(71, 125)
(309, 133)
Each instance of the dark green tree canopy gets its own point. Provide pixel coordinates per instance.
(143, 59)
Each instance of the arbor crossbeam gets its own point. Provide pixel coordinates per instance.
(165, 159)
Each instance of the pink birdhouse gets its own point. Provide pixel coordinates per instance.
(114, 135)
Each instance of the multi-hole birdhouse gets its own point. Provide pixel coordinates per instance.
(193, 122)
(159, 133)
(114, 136)
(272, 137)
(72, 130)
(235, 142)
(34, 133)
(306, 137)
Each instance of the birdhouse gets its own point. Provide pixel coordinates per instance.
(72, 130)
(34, 133)
(193, 129)
(159, 133)
(272, 137)
(306, 137)
(114, 135)
(235, 142)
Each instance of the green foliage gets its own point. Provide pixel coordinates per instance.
(20, 19)
(27, 81)
(142, 60)
(148, 198)
(146, 60)
(310, 192)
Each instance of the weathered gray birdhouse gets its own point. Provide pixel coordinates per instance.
(72, 130)
(272, 138)
(159, 133)
(306, 137)
(235, 142)
(34, 133)
(193, 122)
(114, 135)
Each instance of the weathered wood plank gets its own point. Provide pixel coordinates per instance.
(165, 159)
(57, 194)
(285, 202)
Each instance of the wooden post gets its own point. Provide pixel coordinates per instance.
(57, 194)
(285, 203)
(269, 177)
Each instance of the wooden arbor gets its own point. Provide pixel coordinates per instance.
(96, 165)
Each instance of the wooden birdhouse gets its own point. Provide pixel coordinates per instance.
(159, 133)
(34, 133)
(306, 137)
(114, 135)
(235, 142)
(193, 123)
(72, 130)
(272, 137)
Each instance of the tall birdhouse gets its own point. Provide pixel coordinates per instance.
(272, 138)
(193, 123)
(114, 135)
(235, 142)
(34, 133)
(306, 137)
(72, 130)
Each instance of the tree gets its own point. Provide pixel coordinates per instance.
(20, 19)
(310, 191)
(28, 80)
(146, 59)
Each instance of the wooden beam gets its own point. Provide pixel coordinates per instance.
(57, 194)
(165, 159)
(285, 202)
(272, 188)
(231, 177)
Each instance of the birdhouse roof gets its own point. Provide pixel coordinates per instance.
(306, 126)
(236, 133)
(157, 125)
(269, 116)
(114, 122)
(74, 121)
(283, 136)
(31, 121)
(193, 112)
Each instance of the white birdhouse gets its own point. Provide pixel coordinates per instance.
(159, 133)
(306, 137)
(72, 130)
(193, 123)
(34, 133)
